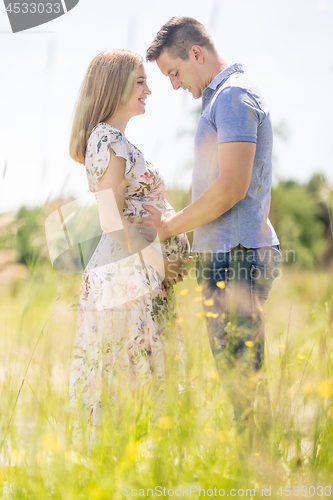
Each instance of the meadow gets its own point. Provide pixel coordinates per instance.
(194, 443)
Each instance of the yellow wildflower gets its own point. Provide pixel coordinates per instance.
(222, 436)
(221, 284)
(50, 443)
(165, 422)
(209, 302)
(249, 343)
(307, 388)
(184, 291)
(324, 388)
(136, 451)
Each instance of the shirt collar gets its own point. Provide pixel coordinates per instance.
(235, 68)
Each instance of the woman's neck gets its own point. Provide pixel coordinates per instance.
(119, 121)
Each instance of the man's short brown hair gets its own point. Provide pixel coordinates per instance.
(178, 36)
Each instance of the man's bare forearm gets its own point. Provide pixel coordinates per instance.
(215, 201)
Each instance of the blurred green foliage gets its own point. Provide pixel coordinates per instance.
(301, 217)
(29, 236)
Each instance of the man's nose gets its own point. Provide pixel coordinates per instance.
(175, 83)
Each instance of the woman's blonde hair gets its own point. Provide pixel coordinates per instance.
(108, 82)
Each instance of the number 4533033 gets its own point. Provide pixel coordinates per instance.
(305, 491)
(32, 8)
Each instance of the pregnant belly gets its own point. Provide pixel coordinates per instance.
(175, 245)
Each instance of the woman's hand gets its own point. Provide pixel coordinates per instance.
(174, 269)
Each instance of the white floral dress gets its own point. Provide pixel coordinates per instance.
(123, 308)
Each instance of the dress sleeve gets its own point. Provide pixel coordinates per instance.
(102, 142)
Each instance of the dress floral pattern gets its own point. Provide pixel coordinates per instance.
(123, 306)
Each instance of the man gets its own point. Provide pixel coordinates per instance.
(237, 248)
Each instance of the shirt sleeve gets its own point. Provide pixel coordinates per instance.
(100, 145)
(236, 115)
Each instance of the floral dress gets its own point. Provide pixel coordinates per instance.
(123, 305)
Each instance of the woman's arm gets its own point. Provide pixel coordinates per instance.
(111, 198)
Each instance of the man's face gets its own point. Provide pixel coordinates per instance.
(182, 74)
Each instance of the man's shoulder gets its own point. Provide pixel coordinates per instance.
(238, 90)
(237, 84)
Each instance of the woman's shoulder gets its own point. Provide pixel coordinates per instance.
(105, 139)
(103, 132)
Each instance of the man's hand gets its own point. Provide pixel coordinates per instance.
(149, 233)
(156, 220)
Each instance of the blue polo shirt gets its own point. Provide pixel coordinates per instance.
(233, 110)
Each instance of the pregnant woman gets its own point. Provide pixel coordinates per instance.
(125, 301)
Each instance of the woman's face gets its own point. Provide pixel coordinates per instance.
(135, 105)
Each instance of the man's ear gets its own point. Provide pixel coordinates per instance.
(197, 52)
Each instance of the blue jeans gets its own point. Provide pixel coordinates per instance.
(235, 287)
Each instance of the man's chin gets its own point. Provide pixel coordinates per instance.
(196, 95)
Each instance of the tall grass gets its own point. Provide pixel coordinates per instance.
(194, 441)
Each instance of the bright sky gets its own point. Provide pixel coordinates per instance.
(285, 47)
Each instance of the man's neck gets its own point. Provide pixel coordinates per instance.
(215, 64)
